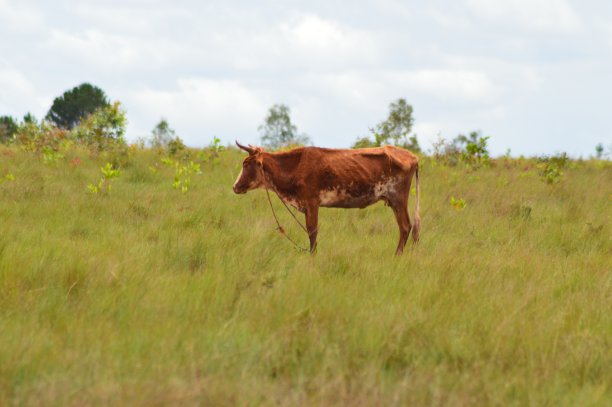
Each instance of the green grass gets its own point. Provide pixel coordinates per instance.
(148, 296)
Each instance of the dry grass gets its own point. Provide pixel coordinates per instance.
(152, 297)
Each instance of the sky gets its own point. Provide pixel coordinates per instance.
(534, 75)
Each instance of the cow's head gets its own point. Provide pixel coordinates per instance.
(252, 175)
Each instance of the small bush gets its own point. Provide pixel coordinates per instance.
(176, 146)
(103, 129)
(458, 203)
(550, 168)
(8, 127)
(182, 173)
(212, 153)
(104, 185)
(471, 150)
(7, 177)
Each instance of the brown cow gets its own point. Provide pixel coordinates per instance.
(310, 177)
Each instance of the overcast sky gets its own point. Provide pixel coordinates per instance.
(535, 75)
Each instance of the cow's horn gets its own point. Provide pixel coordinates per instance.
(249, 149)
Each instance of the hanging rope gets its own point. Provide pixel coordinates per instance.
(280, 228)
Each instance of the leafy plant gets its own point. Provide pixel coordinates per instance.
(50, 156)
(212, 152)
(8, 127)
(102, 129)
(550, 168)
(34, 137)
(104, 185)
(471, 150)
(182, 173)
(458, 203)
(7, 177)
(176, 146)
(476, 152)
(550, 173)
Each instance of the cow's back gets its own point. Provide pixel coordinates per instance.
(355, 177)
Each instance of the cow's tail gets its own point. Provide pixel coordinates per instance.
(416, 229)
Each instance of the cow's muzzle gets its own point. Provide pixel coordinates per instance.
(238, 190)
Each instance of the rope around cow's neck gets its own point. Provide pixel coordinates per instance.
(280, 228)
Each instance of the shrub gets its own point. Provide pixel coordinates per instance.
(35, 137)
(182, 173)
(458, 203)
(104, 185)
(476, 153)
(471, 150)
(7, 177)
(103, 128)
(8, 127)
(212, 152)
(176, 146)
(550, 167)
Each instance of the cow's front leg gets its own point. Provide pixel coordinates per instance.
(312, 221)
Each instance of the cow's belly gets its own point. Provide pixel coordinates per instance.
(359, 197)
(344, 199)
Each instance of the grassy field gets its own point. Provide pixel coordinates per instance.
(148, 296)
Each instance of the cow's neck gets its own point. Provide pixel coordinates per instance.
(279, 169)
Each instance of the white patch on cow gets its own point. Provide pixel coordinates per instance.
(238, 179)
(385, 188)
(332, 196)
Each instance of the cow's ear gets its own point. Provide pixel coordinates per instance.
(259, 160)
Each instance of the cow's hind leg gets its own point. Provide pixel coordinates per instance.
(312, 221)
(400, 209)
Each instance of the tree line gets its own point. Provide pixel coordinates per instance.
(85, 114)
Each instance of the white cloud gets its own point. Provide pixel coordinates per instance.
(18, 95)
(510, 75)
(368, 89)
(395, 7)
(544, 15)
(111, 51)
(201, 108)
(607, 29)
(128, 18)
(305, 41)
(449, 21)
(449, 84)
(312, 34)
(20, 18)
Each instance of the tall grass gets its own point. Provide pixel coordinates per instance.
(148, 296)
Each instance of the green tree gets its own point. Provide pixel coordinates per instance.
(364, 142)
(278, 131)
(395, 129)
(398, 124)
(599, 150)
(162, 135)
(29, 118)
(75, 104)
(8, 127)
